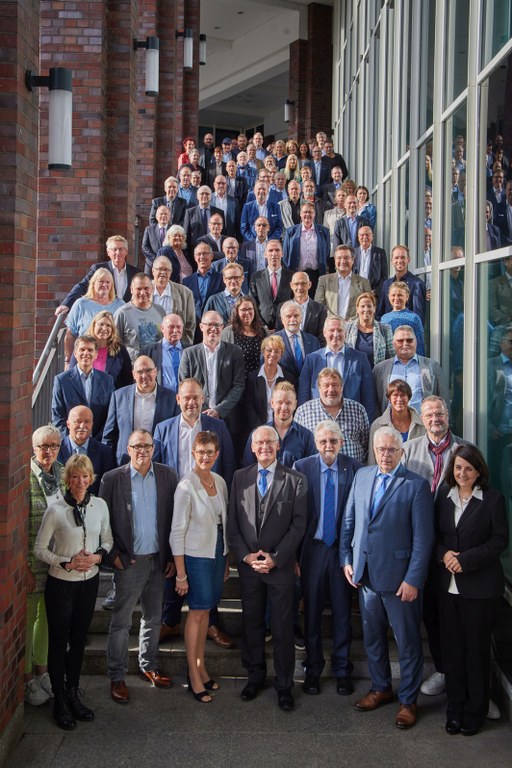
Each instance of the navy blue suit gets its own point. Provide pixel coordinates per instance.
(288, 360)
(250, 213)
(99, 454)
(297, 443)
(68, 391)
(321, 575)
(291, 247)
(118, 366)
(358, 383)
(216, 284)
(248, 267)
(119, 425)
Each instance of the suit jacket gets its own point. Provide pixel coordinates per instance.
(179, 206)
(194, 524)
(288, 360)
(80, 289)
(262, 295)
(192, 283)
(211, 172)
(327, 292)
(500, 300)
(378, 267)
(166, 439)
(316, 315)
(68, 391)
(183, 304)
(118, 366)
(357, 379)
(248, 252)
(240, 192)
(342, 234)
(255, 402)
(219, 303)
(283, 524)
(417, 296)
(151, 244)
(382, 339)
(154, 351)
(194, 226)
(99, 454)
(231, 217)
(248, 267)
(286, 214)
(209, 240)
(119, 424)
(415, 430)
(329, 194)
(418, 458)
(481, 536)
(396, 544)
(116, 490)
(291, 247)
(250, 212)
(230, 374)
(432, 380)
(325, 173)
(311, 468)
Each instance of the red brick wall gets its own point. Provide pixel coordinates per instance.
(18, 201)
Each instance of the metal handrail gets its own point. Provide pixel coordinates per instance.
(49, 364)
(49, 349)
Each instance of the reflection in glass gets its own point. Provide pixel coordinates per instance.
(428, 12)
(453, 291)
(457, 12)
(497, 27)
(455, 180)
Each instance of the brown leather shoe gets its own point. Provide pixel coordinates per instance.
(169, 633)
(119, 692)
(374, 699)
(156, 678)
(219, 637)
(406, 717)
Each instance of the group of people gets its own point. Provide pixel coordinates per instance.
(218, 404)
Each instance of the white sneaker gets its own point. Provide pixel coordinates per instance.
(34, 694)
(44, 683)
(493, 712)
(434, 685)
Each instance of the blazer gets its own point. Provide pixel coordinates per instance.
(248, 267)
(209, 240)
(418, 458)
(417, 296)
(248, 252)
(250, 212)
(230, 374)
(283, 524)
(286, 214)
(480, 536)
(194, 226)
(169, 252)
(151, 244)
(118, 366)
(396, 544)
(311, 468)
(382, 339)
(194, 525)
(154, 351)
(288, 360)
(116, 490)
(291, 247)
(191, 282)
(99, 454)
(316, 315)
(327, 292)
(262, 295)
(119, 425)
(219, 303)
(432, 380)
(500, 300)
(178, 205)
(255, 401)
(166, 439)
(378, 267)
(240, 191)
(183, 304)
(68, 391)
(231, 223)
(325, 173)
(329, 194)
(342, 234)
(357, 379)
(80, 289)
(415, 430)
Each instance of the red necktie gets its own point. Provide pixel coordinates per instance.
(273, 285)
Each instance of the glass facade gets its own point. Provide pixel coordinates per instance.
(432, 85)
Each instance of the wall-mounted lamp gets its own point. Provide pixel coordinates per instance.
(288, 110)
(152, 46)
(188, 48)
(202, 50)
(60, 110)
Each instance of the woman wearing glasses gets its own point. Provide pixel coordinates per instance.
(199, 547)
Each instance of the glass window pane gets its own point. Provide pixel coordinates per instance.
(497, 27)
(455, 181)
(452, 357)
(456, 54)
(426, 63)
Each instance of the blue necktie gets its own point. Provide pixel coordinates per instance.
(297, 351)
(262, 482)
(379, 492)
(175, 359)
(329, 528)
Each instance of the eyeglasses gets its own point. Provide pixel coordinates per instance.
(48, 447)
(141, 447)
(143, 371)
(264, 443)
(405, 341)
(436, 415)
(204, 453)
(387, 451)
(213, 326)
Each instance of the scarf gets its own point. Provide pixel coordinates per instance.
(438, 451)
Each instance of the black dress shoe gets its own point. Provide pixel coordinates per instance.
(285, 700)
(344, 686)
(469, 731)
(249, 692)
(62, 712)
(311, 686)
(79, 710)
(452, 727)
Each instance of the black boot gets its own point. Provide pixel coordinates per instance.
(80, 711)
(62, 711)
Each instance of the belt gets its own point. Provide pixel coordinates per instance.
(146, 557)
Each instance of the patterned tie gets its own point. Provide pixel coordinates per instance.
(273, 285)
(205, 221)
(162, 234)
(297, 351)
(329, 528)
(379, 493)
(262, 482)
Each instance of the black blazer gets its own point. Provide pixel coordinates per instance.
(480, 536)
(80, 289)
(118, 366)
(262, 295)
(99, 454)
(255, 398)
(179, 207)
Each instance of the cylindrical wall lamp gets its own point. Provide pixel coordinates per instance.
(60, 110)
(152, 46)
(202, 50)
(288, 110)
(188, 48)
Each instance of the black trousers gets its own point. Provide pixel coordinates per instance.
(69, 609)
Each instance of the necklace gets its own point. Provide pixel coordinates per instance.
(208, 485)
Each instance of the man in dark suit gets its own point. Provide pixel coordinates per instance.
(141, 405)
(82, 385)
(270, 287)
(347, 227)
(123, 274)
(186, 191)
(236, 187)
(230, 248)
(307, 245)
(197, 218)
(205, 281)
(228, 205)
(313, 313)
(329, 191)
(80, 440)
(261, 206)
(266, 522)
(166, 354)
(369, 261)
(386, 542)
(417, 294)
(176, 205)
(297, 343)
(154, 236)
(321, 167)
(224, 301)
(140, 498)
(214, 238)
(254, 250)
(330, 475)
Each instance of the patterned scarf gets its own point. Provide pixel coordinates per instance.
(438, 451)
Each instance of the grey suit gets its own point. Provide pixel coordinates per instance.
(327, 292)
(183, 305)
(419, 459)
(432, 380)
(500, 300)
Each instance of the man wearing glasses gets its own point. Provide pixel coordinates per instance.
(230, 250)
(387, 536)
(140, 498)
(224, 301)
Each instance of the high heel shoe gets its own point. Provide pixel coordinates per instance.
(211, 685)
(203, 696)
